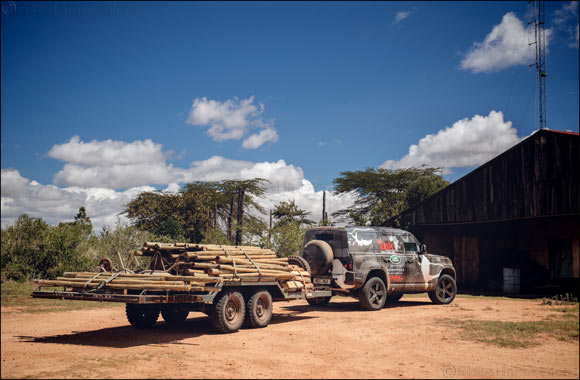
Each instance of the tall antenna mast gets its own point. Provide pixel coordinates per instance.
(540, 41)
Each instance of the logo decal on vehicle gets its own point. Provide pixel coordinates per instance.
(395, 259)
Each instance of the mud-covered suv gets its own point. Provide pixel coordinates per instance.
(376, 265)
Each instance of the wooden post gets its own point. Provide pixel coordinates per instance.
(324, 215)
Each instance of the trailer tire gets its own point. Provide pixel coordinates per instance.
(173, 316)
(259, 310)
(228, 313)
(299, 261)
(141, 316)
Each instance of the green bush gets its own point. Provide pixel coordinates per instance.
(33, 249)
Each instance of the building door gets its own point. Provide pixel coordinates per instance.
(560, 258)
(466, 260)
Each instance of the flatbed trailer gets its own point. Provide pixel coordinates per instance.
(229, 304)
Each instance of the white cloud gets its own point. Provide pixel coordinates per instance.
(107, 152)
(232, 120)
(400, 16)
(566, 13)
(112, 164)
(96, 170)
(268, 134)
(116, 176)
(566, 20)
(54, 204)
(507, 45)
(468, 142)
(282, 177)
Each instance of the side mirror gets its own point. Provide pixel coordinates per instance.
(423, 249)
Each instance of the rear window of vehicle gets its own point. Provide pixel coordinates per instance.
(335, 238)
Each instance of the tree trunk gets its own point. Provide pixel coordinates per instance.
(241, 194)
(230, 220)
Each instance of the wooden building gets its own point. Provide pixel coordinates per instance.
(513, 222)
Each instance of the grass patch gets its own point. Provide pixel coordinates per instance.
(516, 334)
(18, 295)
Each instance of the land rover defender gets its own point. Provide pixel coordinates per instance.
(376, 265)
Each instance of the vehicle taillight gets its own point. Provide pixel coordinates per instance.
(348, 265)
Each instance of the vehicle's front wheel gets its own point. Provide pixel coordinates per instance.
(373, 294)
(228, 313)
(174, 316)
(141, 316)
(318, 301)
(445, 291)
(259, 310)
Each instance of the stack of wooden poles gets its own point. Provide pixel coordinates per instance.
(196, 268)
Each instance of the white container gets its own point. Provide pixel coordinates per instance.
(511, 280)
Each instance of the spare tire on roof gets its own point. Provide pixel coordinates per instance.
(319, 255)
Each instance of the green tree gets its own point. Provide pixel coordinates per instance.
(124, 240)
(83, 221)
(33, 249)
(289, 229)
(383, 193)
(201, 211)
(288, 212)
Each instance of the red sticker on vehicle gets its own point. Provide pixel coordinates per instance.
(386, 246)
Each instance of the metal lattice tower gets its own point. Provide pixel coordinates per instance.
(540, 64)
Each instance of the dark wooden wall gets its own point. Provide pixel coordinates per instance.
(538, 177)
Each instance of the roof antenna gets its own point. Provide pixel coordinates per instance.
(540, 64)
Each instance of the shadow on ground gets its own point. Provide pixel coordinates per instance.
(159, 335)
(350, 306)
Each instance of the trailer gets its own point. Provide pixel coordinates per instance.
(230, 300)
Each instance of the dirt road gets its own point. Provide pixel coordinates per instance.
(408, 340)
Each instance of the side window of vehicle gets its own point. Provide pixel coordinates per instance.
(390, 242)
(410, 243)
(363, 239)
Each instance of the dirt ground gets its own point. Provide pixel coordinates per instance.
(407, 340)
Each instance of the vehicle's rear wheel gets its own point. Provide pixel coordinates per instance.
(228, 313)
(318, 301)
(392, 298)
(142, 316)
(259, 310)
(373, 294)
(174, 316)
(445, 291)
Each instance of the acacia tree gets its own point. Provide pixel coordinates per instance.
(200, 210)
(382, 193)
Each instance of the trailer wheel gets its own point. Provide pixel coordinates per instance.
(141, 316)
(259, 310)
(229, 311)
(299, 261)
(174, 316)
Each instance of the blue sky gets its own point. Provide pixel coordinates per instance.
(337, 86)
